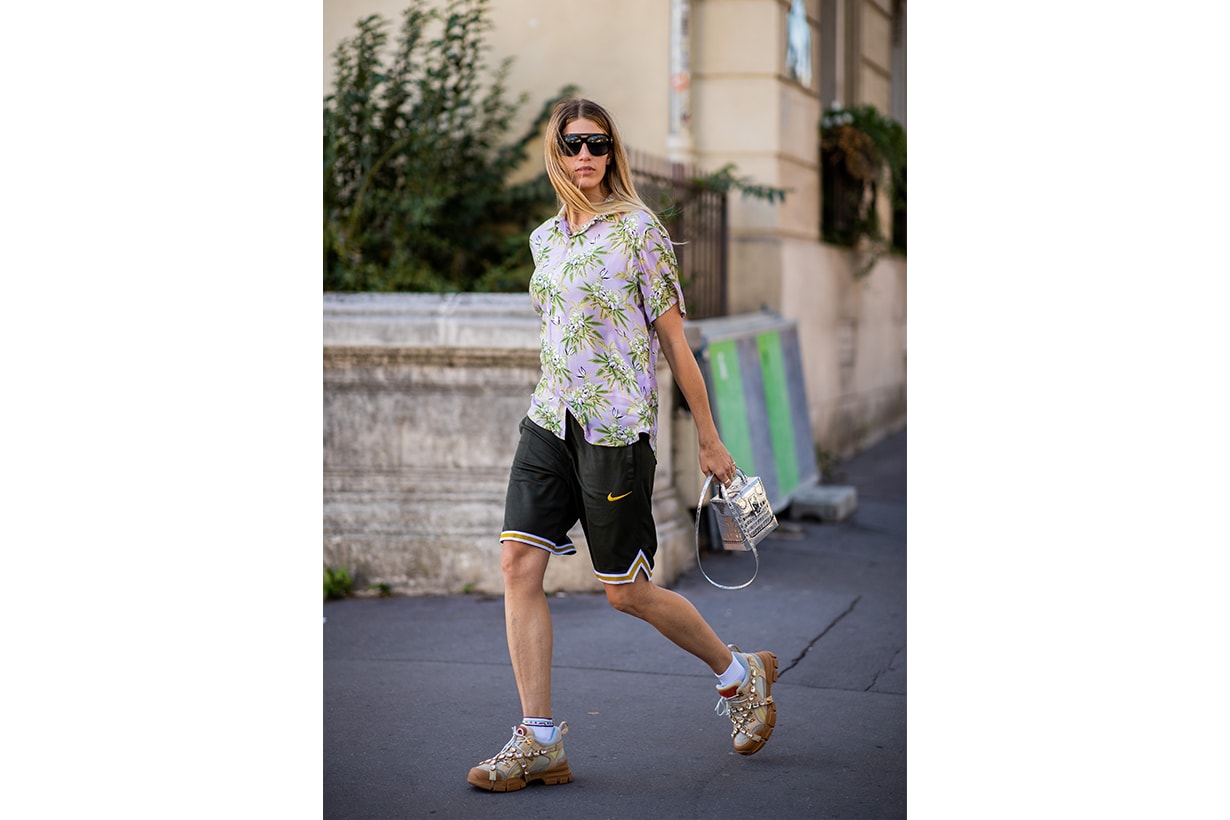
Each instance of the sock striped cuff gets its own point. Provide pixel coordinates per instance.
(545, 723)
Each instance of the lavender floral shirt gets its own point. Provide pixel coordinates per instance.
(598, 292)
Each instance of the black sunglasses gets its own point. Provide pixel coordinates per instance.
(598, 144)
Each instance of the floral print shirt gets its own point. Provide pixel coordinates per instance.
(598, 292)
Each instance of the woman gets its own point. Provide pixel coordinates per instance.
(606, 284)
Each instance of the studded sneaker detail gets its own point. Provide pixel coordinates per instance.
(751, 709)
(522, 761)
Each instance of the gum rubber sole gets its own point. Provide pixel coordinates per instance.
(551, 777)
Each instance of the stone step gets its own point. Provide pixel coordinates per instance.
(826, 502)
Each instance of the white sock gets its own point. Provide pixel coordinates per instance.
(543, 729)
(734, 674)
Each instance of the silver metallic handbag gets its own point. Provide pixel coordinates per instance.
(744, 517)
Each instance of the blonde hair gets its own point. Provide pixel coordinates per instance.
(618, 179)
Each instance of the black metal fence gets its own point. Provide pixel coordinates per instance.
(695, 216)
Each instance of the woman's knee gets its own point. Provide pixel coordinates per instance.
(627, 598)
(522, 564)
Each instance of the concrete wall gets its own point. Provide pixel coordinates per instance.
(422, 398)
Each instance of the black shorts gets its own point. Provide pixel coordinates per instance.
(556, 483)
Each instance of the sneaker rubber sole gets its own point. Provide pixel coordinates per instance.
(481, 778)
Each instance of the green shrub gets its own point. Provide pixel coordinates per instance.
(416, 160)
(338, 583)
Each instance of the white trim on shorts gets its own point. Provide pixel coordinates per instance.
(641, 563)
(538, 541)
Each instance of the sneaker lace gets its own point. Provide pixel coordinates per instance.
(741, 709)
(512, 751)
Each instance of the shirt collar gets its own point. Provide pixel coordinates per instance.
(561, 218)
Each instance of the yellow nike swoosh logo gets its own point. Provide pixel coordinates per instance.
(610, 497)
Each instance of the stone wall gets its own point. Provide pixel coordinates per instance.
(422, 398)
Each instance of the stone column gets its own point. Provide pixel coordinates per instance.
(679, 141)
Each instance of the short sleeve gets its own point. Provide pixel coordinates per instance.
(658, 271)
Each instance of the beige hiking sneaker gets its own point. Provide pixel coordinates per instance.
(522, 760)
(753, 714)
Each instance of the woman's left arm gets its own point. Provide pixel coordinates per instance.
(714, 458)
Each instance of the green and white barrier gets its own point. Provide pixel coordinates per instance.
(754, 374)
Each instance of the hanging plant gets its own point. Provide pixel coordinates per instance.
(861, 151)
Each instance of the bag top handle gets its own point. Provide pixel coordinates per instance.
(704, 494)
